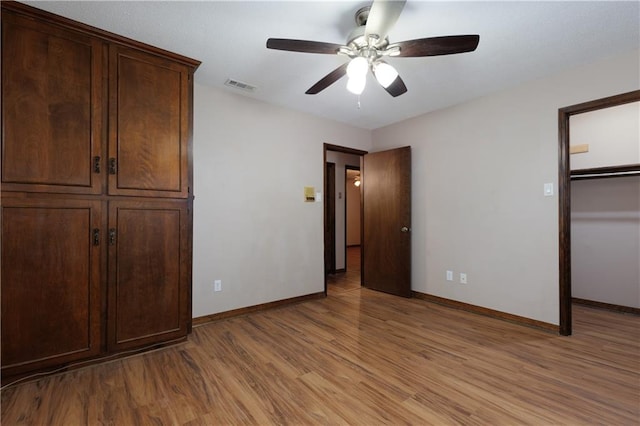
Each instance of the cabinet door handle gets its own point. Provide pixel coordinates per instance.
(113, 168)
(112, 236)
(96, 237)
(96, 164)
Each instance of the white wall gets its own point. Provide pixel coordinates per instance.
(341, 160)
(605, 240)
(353, 213)
(613, 136)
(478, 171)
(252, 229)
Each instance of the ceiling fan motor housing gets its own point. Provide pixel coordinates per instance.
(357, 40)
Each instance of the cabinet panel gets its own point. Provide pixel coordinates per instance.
(52, 108)
(149, 125)
(149, 264)
(50, 282)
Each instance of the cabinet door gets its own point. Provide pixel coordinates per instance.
(149, 268)
(149, 125)
(50, 282)
(52, 107)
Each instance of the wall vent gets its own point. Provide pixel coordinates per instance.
(239, 85)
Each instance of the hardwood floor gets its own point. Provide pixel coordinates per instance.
(357, 357)
(348, 280)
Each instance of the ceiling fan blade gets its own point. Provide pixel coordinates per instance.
(433, 46)
(396, 88)
(304, 46)
(328, 80)
(382, 17)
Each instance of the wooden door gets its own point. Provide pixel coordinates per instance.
(149, 272)
(52, 108)
(149, 125)
(386, 250)
(50, 282)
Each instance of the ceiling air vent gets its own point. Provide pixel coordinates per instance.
(239, 85)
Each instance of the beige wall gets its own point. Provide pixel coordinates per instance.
(252, 229)
(613, 136)
(478, 171)
(605, 240)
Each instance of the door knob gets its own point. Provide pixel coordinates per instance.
(404, 229)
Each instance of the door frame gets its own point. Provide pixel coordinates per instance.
(564, 195)
(329, 218)
(345, 150)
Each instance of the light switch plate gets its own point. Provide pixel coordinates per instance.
(548, 189)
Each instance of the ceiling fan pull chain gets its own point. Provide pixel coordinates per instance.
(358, 101)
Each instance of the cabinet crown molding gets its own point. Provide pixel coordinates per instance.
(61, 21)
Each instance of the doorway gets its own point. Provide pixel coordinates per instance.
(385, 218)
(345, 275)
(564, 193)
(350, 278)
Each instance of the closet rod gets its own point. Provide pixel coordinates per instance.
(604, 175)
(606, 172)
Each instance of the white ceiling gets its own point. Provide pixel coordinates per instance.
(519, 41)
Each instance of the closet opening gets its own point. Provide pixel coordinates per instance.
(571, 144)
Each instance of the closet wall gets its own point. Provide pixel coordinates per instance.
(605, 212)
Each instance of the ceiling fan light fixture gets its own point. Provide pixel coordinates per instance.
(358, 67)
(385, 74)
(356, 84)
(391, 50)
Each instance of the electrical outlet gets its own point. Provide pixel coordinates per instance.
(463, 278)
(217, 285)
(449, 275)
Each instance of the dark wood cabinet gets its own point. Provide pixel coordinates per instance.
(150, 272)
(54, 80)
(52, 108)
(96, 193)
(150, 122)
(51, 281)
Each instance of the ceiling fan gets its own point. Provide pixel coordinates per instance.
(368, 45)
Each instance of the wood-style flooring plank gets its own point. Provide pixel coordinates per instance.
(358, 357)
